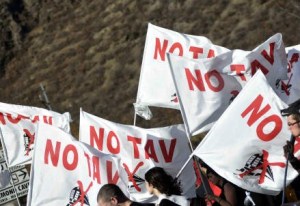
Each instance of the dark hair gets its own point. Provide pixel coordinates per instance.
(293, 109)
(108, 191)
(163, 182)
(211, 171)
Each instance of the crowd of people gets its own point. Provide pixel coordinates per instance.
(168, 191)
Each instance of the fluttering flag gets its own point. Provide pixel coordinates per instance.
(156, 87)
(141, 149)
(68, 172)
(245, 146)
(206, 87)
(289, 89)
(17, 130)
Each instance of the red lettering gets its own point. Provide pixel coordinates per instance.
(135, 141)
(47, 120)
(110, 147)
(273, 133)
(35, 119)
(150, 151)
(211, 53)
(2, 120)
(49, 151)
(269, 57)
(14, 120)
(255, 110)
(96, 169)
(70, 149)
(95, 138)
(167, 156)
(160, 50)
(110, 178)
(219, 79)
(239, 69)
(257, 65)
(178, 46)
(196, 51)
(294, 59)
(198, 82)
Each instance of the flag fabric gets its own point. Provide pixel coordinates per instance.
(68, 172)
(18, 124)
(245, 146)
(289, 90)
(141, 149)
(206, 87)
(156, 87)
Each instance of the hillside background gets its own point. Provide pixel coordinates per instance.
(88, 53)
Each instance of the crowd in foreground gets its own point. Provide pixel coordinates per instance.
(168, 191)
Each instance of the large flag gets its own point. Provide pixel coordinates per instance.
(245, 146)
(68, 172)
(206, 87)
(156, 87)
(17, 129)
(289, 90)
(141, 149)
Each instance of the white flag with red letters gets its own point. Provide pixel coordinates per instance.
(156, 87)
(18, 125)
(245, 146)
(141, 149)
(68, 172)
(206, 87)
(289, 89)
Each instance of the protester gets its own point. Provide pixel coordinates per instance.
(112, 195)
(229, 196)
(164, 186)
(293, 118)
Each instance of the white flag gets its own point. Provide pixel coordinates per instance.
(245, 146)
(18, 125)
(141, 149)
(206, 87)
(289, 90)
(68, 172)
(156, 87)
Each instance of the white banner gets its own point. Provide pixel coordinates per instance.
(141, 149)
(156, 87)
(206, 87)
(289, 90)
(245, 146)
(68, 172)
(18, 125)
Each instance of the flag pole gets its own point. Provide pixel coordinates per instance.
(12, 181)
(134, 118)
(292, 140)
(192, 156)
(44, 97)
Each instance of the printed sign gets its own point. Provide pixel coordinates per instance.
(17, 176)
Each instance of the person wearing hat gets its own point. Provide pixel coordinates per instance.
(293, 119)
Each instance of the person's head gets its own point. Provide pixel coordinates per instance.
(157, 179)
(293, 117)
(213, 176)
(110, 195)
